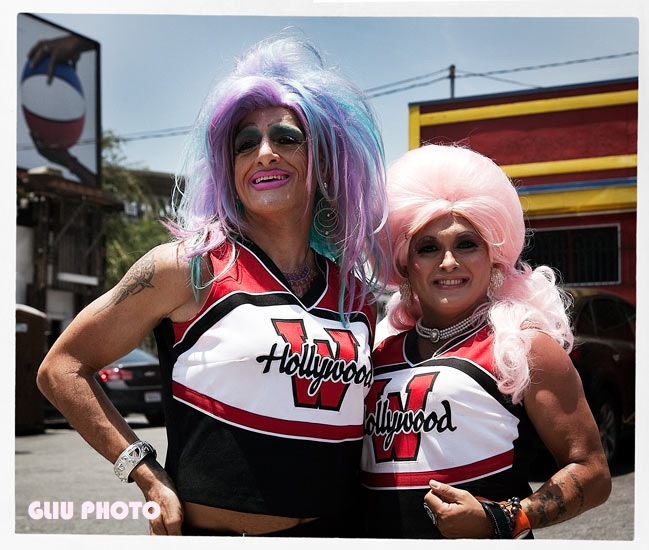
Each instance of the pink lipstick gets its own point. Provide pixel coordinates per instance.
(269, 179)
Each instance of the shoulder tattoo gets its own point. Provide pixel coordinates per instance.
(137, 278)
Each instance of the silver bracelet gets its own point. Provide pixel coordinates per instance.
(130, 458)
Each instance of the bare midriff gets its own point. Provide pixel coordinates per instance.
(236, 523)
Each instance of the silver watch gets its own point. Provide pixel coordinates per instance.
(130, 458)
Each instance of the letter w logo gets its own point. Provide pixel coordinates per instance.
(392, 441)
(330, 393)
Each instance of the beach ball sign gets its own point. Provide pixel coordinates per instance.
(55, 113)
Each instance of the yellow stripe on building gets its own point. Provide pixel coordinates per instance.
(570, 166)
(580, 201)
(531, 107)
(414, 127)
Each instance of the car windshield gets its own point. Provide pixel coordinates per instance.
(137, 356)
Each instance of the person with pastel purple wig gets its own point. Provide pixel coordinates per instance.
(263, 309)
(475, 362)
(345, 159)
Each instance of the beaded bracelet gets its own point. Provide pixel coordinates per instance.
(508, 518)
(518, 520)
(511, 508)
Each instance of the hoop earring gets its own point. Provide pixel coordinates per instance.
(325, 218)
(405, 291)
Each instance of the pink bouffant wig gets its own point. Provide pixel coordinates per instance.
(436, 180)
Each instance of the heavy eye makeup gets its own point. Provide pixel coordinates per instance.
(280, 134)
(246, 139)
(429, 244)
(286, 134)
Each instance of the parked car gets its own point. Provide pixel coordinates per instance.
(604, 355)
(133, 384)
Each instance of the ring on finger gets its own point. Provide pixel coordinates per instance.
(432, 515)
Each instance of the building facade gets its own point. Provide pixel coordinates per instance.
(60, 252)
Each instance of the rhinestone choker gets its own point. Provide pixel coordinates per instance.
(436, 334)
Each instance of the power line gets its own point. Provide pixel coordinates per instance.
(370, 90)
(467, 74)
(169, 132)
(491, 74)
(410, 87)
(560, 63)
(393, 88)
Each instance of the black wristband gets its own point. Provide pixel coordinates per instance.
(502, 527)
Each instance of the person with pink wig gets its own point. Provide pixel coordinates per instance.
(262, 305)
(475, 362)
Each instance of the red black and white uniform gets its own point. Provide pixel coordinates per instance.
(264, 392)
(440, 418)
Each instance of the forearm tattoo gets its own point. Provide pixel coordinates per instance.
(139, 277)
(580, 495)
(550, 506)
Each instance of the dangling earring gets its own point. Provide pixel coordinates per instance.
(406, 292)
(496, 280)
(325, 218)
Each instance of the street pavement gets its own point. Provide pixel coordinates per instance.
(57, 467)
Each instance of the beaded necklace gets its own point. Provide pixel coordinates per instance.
(435, 334)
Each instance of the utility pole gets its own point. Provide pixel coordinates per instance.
(451, 76)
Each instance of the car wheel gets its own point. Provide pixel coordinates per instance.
(607, 417)
(155, 418)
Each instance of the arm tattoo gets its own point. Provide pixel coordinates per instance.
(579, 489)
(551, 507)
(135, 281)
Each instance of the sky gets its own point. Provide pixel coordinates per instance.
(158, 65)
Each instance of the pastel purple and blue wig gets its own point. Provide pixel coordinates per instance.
(345, 158)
